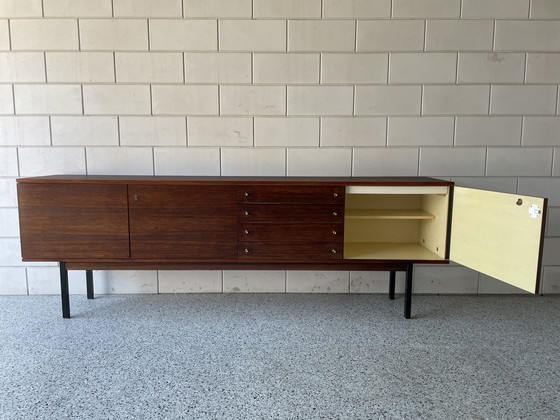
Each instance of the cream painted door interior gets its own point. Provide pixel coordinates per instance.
(499, 235)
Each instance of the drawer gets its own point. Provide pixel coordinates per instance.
(290, 194)
(284, 213)
(289, 250)
(295, 232)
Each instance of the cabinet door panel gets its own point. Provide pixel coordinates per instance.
(495, 234)
(290, 194)
(183, 222)
(295, 232)
(64, 221)
(289, 250)
(283, 213)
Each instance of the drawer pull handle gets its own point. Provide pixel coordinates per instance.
(334, 232)
(335, 195)
(246, 213)
(246, 194)
(246, 232)
(246, 251)
(335, 213)
(333, 251)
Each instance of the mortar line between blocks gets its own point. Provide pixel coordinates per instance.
(490, 91)
(218, 46)
(521, 136)
(494, 36)
(184, 57)
(153, 160)
(525, 67)
(82, 97)
(557, 99)
(356, 35)
(50, 130)
(14, 99)
(45, 64)
(151, 101)
(115, 66)
(148, 32)
(253, 134)
(27, 281)
(79, 38)
(457, 68)
(119, 130)
(85, 160)
(186, 131)
(454, 131)
(425, 35)
(17, 161)
(10, 34)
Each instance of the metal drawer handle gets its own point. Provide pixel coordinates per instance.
(246, 232)
(333, 251)
(246, 213)
(334, 232)
(246, 194)
(335, 195)
(335, 213)
(246, 251)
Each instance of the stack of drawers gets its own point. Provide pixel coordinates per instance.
(290, 222)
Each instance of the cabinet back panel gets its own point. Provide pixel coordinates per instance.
(382, 230)
(383, 201)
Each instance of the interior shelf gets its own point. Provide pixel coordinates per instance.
(388, 251)
(388, 214)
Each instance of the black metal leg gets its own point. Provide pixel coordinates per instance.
(408, 291)
(89, 284)
(64, 293)
(392, 275)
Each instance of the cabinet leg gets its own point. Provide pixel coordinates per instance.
(89, 284)
(408, 291)
(392, 275)
(64, 293)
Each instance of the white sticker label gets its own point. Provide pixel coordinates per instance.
(534, 211)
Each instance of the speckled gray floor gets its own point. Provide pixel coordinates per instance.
(280, 357)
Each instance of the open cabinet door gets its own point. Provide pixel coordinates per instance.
(499, 235)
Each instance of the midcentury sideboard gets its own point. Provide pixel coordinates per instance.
(379, 224)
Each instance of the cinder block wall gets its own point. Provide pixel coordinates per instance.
(458, 89)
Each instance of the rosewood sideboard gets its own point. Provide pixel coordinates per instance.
(378, 224)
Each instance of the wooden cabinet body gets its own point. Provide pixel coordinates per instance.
(112, 222)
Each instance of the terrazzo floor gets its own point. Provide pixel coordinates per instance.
(280, 357)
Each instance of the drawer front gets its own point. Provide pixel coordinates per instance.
(284, 213)
(295, 232)
(290, 194)
(289, 250)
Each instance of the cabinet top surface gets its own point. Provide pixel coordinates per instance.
(222, 180)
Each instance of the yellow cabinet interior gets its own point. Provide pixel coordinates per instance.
(396, 223)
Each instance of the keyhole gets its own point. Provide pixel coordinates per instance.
(519, 202)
